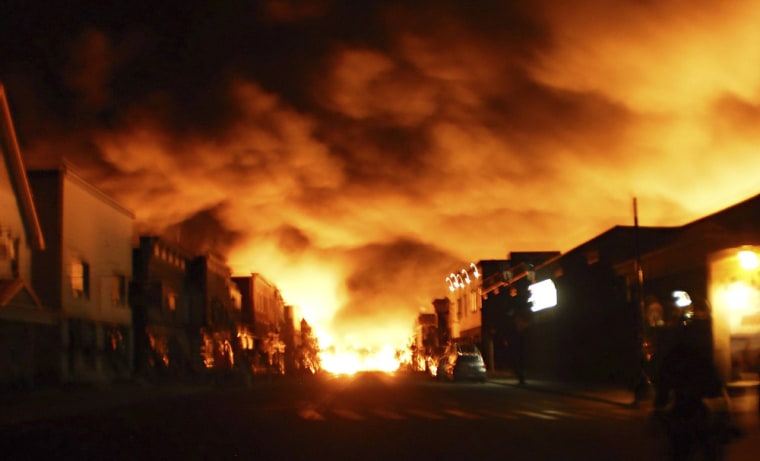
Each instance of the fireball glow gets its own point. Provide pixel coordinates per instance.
(350, 360)
(355, 172)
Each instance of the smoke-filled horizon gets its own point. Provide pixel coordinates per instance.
(354, 153)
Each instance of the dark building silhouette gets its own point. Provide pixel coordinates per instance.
(216, 302)
(263, 316)
(167, 330)
(505, 310)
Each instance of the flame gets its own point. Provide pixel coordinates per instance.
(348, 361)
(316, 285)
(309, 283)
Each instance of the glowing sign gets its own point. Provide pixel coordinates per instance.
(681, 298)
(543, 295)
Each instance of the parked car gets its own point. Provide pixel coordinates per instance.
(461, 362)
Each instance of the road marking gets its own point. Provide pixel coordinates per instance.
(461, 414)
(348, 414)
(388, 414)
(535, 414)
(425, 414)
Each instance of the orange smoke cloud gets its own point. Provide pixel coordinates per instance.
(355, 166)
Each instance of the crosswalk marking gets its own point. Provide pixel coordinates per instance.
(312, 414)
(425, 414)
(535, 414)
(461, 414)
(564, 414)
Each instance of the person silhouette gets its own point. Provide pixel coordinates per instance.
(686, 377)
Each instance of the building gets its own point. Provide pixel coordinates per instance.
(505, 313)
(29, 340)
(606, 310)
(216, 302)
(708, 271)
(426, 345)
(83, 273)
(583, 324)
(443, 314)
(167, 332)
(263, 317)
(291, 337)
(464, 295)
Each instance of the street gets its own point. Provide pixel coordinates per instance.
(366, 416)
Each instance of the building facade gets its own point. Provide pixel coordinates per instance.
(505, 309)
(709, 273)
(263, 317)
(83, 273)
(216, 302)
(607, 310)
(167, 331)
(426, 344)
(29, 339)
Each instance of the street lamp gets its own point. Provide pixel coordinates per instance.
(748, 260)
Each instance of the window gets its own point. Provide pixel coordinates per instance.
(474, 296)
(7, 247)
(236, 297)
(80, 280)
(171, 300)
(8, 254)
(118, 290)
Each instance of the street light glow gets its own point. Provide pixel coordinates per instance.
(748, 260)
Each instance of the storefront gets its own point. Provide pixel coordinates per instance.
(734, 294)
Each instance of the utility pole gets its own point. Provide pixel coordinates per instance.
(643, 383)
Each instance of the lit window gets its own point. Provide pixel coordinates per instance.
(9, 252)
(118, 290)
(236, 297)
(171, 300)
(80, 279)
(543, 295)
(6, 246)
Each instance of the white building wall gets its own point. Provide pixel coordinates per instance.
(12, 227)
(98, 232)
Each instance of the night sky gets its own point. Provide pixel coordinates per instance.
(355, 152)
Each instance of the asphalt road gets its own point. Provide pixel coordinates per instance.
(365, 417)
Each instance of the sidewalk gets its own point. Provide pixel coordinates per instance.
(743, 396)
(606, 394)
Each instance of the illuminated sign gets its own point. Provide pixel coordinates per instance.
(681, 298)
(543, 295)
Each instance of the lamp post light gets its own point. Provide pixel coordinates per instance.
(734, 298)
